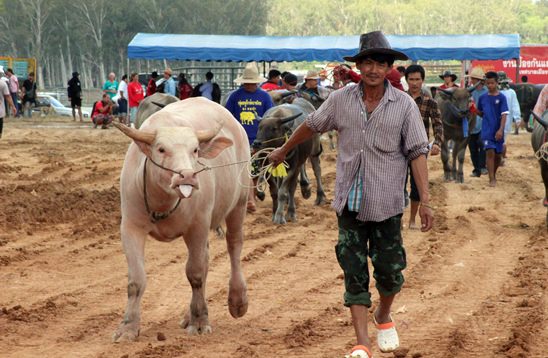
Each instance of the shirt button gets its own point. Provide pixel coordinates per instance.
(361, 150)
(363, 130)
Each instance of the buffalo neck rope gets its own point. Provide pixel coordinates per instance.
(156, 216)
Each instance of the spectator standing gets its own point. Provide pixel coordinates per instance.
(135, 96)
(247, 104)
(208, 89)
(324, 81)
(273, 82)
(151, 86)
(14, 89)
(122, 100)
(169, 84)
(289, 81)
(185, 89)
(475, 145)
(74, 92)
(29, 95)
(111, 86)
(449, 79)
(311, 87)
(401, 70)
(5, 94)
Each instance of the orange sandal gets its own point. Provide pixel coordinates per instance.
(360, 352)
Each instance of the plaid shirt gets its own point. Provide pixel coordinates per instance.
(430, 113)
(377, 147)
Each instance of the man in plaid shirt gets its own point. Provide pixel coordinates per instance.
(430, 113)
(380, 132)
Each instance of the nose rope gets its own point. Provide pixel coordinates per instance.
(156, 216)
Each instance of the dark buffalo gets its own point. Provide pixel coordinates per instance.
(277, 123)
(151, 105)
(527, 94)
(454, 108)
(539, 138)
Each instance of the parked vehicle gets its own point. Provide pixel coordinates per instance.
(47, 101)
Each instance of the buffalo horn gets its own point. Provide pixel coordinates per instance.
(207, 134)
(472, 88)
(288, 93)
(447, 92)
(540, 120)
(159, 104)
(290, 118)
(141, 136)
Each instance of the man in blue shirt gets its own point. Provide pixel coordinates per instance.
(169, 87)
(247, 104)
(493, 108)
(477, 153)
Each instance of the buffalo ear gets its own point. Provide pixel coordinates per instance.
(214, 147)
(540, 120)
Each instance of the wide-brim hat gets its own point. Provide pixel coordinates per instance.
(312, 75)
(448, 73)
(154, 74)
(75, 74)
(250, 74)
(477, 73)
(375, 42)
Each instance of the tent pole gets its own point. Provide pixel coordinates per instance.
(517, 69)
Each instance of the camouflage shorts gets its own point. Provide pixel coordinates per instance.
(382, 242)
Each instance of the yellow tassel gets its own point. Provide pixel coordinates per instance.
(278, 172)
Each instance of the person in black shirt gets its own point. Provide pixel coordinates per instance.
(29, 94)
(74, 92)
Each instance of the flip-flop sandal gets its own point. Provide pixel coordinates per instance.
(387, 336)
(359, 352)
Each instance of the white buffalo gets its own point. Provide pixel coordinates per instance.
(164, 197)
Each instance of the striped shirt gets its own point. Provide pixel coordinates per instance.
(379, 147)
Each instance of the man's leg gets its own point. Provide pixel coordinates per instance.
(352, 255)
(490, 162)
(80, 113)
(474, 155)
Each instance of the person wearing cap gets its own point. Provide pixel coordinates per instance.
(273, 82)
(111, 85)
(74, 92)
(380, 130)
(289, 81)
(475, 145)
(449, 79)
(169, 84)
(5, 93)
(310, 86)
(248, 104)
(14, 88)
(151, 85)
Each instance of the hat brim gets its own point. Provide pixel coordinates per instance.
(385, 51)
(250, 80)
(453, 77)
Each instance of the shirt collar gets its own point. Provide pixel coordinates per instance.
(389, 93)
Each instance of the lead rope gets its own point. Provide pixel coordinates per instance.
(156, 216)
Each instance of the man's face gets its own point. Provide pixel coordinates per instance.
(373, 72)
(414, 80)
(491, 84)
(111, 76)
(167, 75)
(311, 83)
(31, 77)
(250, 87)
(447, 79)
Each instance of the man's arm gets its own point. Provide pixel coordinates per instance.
(437, 126)
(10, 103)
(420, 175)
(302, 133)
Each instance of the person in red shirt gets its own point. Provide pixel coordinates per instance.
(273, 82)
(102, 112)
(135, 96)
(185, 89)
(151, 86)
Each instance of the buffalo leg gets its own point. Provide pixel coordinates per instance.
(291, 208)
(454, 153)
(460, 156)
(273, 187)
(305, 182)
(317, 168)
(237, 290)
(283, 195)
(196, 320)
(445, 161)
(133, 242)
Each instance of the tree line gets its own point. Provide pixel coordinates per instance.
(91, 36)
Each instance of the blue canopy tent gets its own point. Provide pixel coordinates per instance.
(316, 48)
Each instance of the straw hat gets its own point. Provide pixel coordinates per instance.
(312, 75)
(250, 74)
(477, 73)
(375, 42)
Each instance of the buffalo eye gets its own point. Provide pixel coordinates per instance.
(161, 150)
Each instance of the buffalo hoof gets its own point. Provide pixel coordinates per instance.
(279, 219)
(126, 332)
(291, 217)
(305, 191)
(197, 326)
(460, 178)
(447, 177)
(320, 199)
(237, 302)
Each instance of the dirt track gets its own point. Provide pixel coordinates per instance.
(476, 284)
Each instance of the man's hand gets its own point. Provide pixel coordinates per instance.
(427, 218)
(435, 149)
(499, 135)
(276, 157)
(13, 111)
